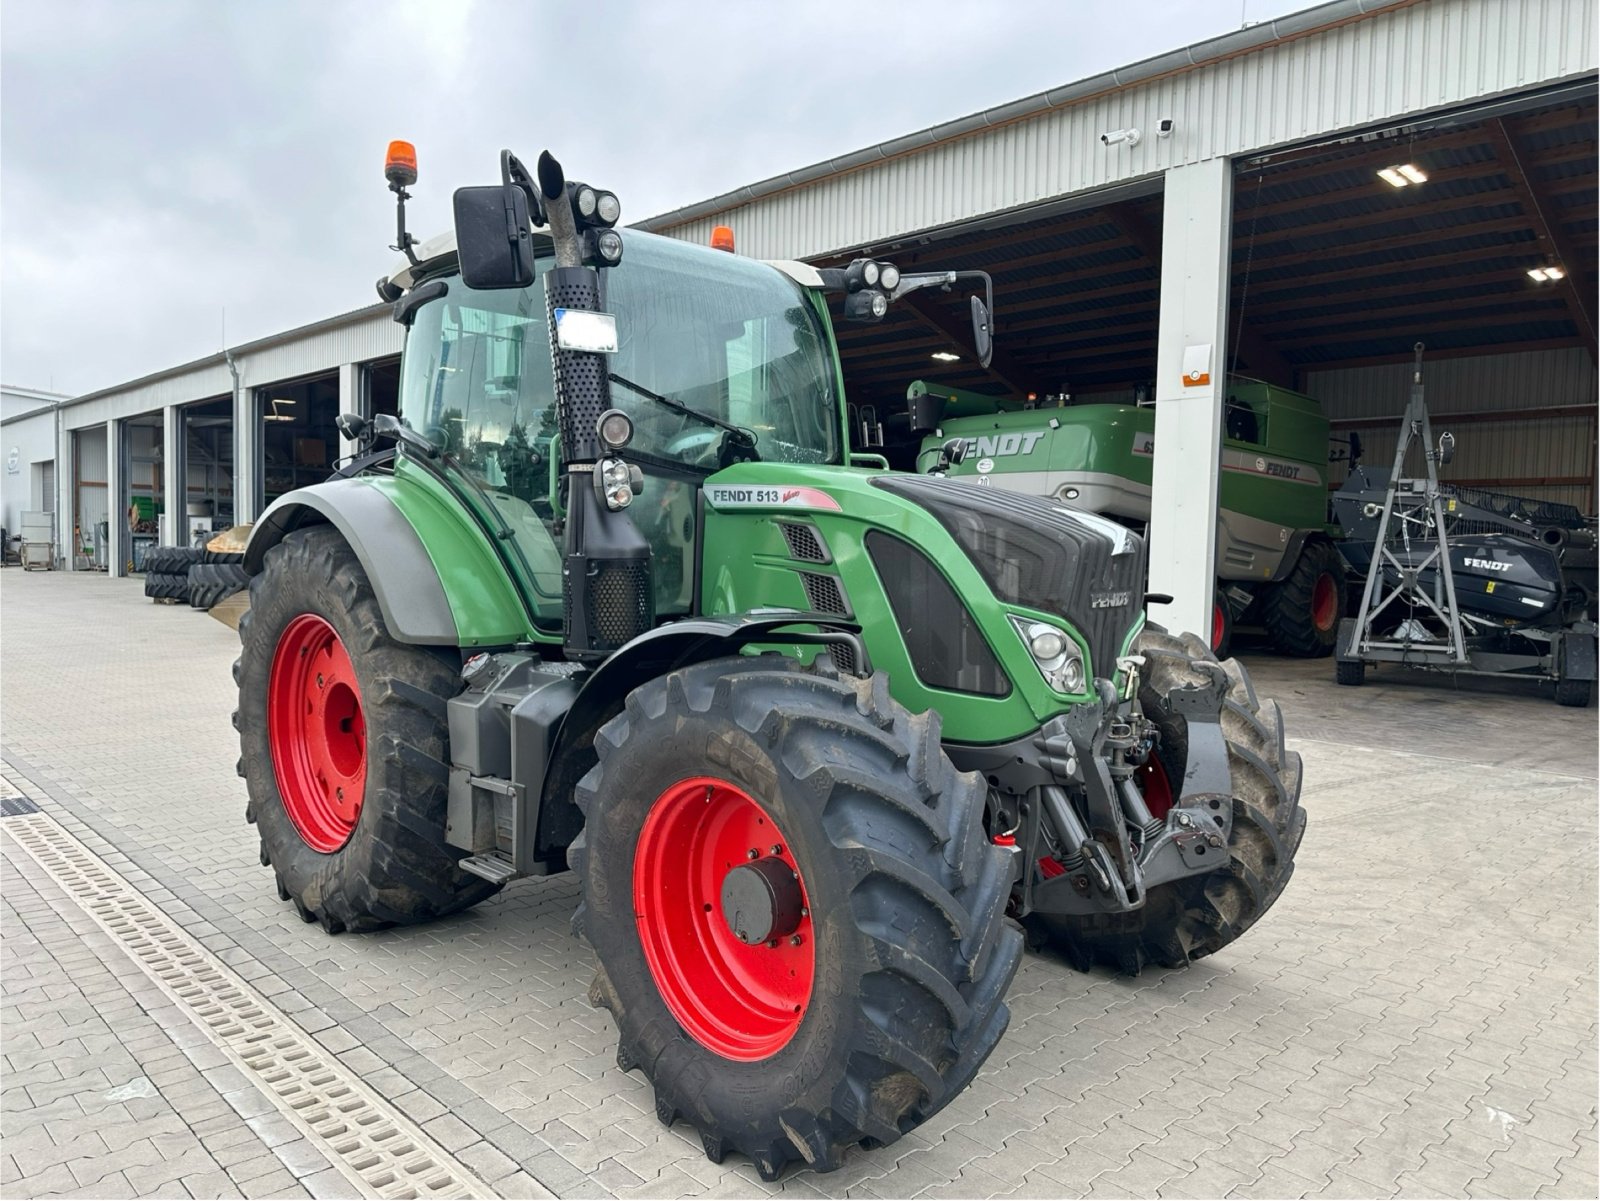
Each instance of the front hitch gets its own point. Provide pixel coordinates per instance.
(1100, 868)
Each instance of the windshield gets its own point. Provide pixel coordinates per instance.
(729, 338)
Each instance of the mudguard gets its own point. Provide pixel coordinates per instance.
(408, 572)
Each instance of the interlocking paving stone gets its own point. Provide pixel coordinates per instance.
(1409, 985)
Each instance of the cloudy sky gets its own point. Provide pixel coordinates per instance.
(164, 161)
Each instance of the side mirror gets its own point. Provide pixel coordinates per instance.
(1355, 449)
(982, 336)
(494, 237)
(353, 426)
(1447, 448)
(955, 451)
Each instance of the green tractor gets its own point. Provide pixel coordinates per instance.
(614, 595)
(1277, 562)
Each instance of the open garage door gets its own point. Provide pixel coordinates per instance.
(1336, 273)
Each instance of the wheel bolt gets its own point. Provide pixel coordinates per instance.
(777, 848)
(795, 940)
(319, 679)
(340, 793)
(804, 912)
(752, 853)
(773, 943)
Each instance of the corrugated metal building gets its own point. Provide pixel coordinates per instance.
(1329, 275)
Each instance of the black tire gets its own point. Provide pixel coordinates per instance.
(211, 582)
(161, 586)
(1221, 616)
(1350, 672)
(1574, 694)
(1189, 919)
(889, 839)
(220, 556)
(1288, 608)
(396, 868)
(171, 560)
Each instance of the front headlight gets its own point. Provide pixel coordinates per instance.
(1057, 656)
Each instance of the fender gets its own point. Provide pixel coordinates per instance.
(1291, 552)
(381, 519)
(648, 656)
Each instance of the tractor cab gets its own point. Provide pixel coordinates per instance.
(719, 360)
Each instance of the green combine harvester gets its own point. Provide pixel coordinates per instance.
(1277, 563)
(615, 595)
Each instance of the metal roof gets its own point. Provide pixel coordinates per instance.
(1341, 268)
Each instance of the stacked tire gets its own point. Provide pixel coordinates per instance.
(211, 582)
(167, 572)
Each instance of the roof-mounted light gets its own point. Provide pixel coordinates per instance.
(400, 164)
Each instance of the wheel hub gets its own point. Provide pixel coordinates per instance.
(723, 918)
(316, 733)
(761, 901)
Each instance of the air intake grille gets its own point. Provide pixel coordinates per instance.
(844, 658)
(805, 542)
(946, 647)
(824, 593)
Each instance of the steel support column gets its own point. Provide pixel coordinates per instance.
(353, 398)
(1191, 382)
(246, 456)
(174, 501)
(117, 541)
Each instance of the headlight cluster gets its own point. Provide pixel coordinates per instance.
(1055, 653)
(869, 273)
(616, 483)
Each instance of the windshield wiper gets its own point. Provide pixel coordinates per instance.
(741, 437)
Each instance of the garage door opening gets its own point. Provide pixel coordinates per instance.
(299, 439)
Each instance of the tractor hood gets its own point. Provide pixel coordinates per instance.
(1043, 555)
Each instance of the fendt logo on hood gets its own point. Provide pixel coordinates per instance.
(1000, 445)
(1488, 565)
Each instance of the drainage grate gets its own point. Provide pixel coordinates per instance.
(377, 1148)
(16, 806)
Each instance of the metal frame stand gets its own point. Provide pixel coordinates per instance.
(1413, 510)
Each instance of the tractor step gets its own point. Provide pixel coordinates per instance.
(491, 867)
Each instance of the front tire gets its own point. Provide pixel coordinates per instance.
(871, 851)
(1302, 612)
(1188, 919)
(344, 745)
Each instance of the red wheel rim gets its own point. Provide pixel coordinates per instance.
(1157, 788)
(1325, 602)
(316, 733)
(1218, 625)
(744, 1001)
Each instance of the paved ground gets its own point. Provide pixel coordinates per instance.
(1416, 1017)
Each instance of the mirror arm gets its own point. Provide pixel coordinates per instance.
(405, 309)
(403, 240)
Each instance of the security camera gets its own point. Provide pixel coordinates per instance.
(1164, 127)
(1116, 136)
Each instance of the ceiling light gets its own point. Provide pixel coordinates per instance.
(1539, 274)
(1413, 173)
(1391, 176)
(1554, 273)
(944, 356)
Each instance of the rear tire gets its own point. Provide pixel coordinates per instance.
(904, 907)
(1189, 919)
(393, 866)
(1302, 612)
(1574, 694)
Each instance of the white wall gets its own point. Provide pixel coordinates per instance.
(1512, 447)
(31, 440)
